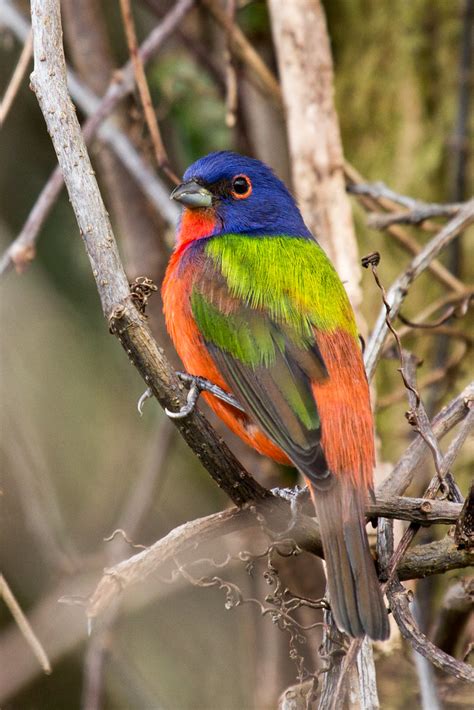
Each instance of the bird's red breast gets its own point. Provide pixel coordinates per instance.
(178, 283)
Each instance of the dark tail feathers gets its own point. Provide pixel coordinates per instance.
(354, 591)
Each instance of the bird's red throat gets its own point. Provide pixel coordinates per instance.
(195, 224)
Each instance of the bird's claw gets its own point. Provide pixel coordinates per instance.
(187, 409)
(198, 385)
(296, 497)
(148, 394)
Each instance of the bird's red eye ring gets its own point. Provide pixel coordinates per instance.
(241, 187)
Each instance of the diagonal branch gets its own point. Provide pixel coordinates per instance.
(50, 85)
(399, 604)
(398, 291)
(144, 91)
(24, 625)
(421, 561)
(21, 251)
(451, 415)
(17, 78)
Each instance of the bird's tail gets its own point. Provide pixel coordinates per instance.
(354, 591)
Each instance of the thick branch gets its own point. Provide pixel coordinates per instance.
(421, 561)
(433, 558)
(305, 62)
(49, 82)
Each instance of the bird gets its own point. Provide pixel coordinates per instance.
(254, 305)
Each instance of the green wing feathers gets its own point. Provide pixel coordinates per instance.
(291, 279)
(258, 303)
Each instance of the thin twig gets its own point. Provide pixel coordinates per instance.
(440, 374)
(23, 624)
(413, 216)
(416, 210)
(455, 310)
(402, 475)
(259, 74)
(419, 562)
(144, 91)
(399, 604)
(399, 289)
(447, 300)
(231, 97)
(17, 78)
(404, 239)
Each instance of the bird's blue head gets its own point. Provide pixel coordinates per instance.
(228, 193)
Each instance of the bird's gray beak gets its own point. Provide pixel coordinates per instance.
(191, 194)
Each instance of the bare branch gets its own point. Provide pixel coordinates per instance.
(433, 558)
(49, 82)
(416, 510)
(402, 475)
(404, 239)
(23, 624)
(422, 561)
(144, 91)
(413, 216)
(16, 80)
(416, 210)
(398, 291)
(399, 604)
(258, 73)
(22, 250)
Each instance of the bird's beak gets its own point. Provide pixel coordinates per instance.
(191, 194)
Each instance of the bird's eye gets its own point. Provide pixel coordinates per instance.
(241, 187)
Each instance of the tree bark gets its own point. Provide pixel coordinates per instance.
(306, 71)
(139, 226)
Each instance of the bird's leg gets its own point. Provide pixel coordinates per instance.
(198, 385)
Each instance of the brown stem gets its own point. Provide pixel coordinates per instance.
(49, 83)
(144, 91)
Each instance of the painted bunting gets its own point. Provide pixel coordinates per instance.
(253, 304)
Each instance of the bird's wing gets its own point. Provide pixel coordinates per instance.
(259, 325)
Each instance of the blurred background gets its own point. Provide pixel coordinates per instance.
(77, 461)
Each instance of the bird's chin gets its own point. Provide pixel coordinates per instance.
(197, 223)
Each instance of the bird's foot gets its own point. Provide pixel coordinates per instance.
(297, 498)
(196, 386)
